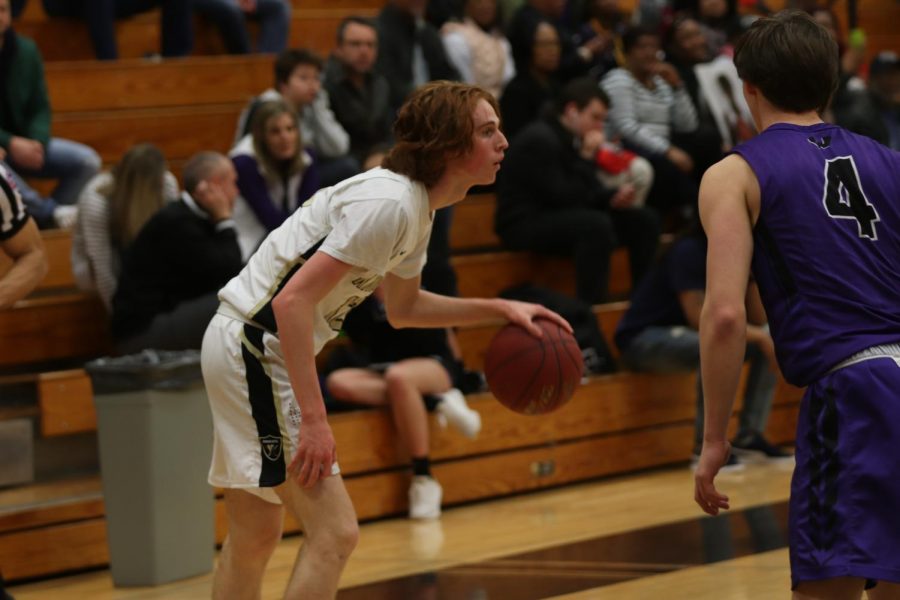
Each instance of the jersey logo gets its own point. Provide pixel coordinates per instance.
(844, 197)
(820, 143)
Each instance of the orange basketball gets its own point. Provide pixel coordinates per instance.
(533, 376)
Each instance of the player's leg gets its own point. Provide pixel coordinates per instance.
(885, 590)
(839, 588)
(844, 494)
(330, 533)
(254, 530)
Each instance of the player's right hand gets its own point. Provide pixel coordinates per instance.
(315, 454)
(712, 458)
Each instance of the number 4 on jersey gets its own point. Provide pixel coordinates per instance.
(844, 197)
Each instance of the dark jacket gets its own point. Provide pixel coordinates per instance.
(24, 106)
(544, 172)
(861, 112)
(177, 256)
(524, 100)
(365, 114)
(397, 36)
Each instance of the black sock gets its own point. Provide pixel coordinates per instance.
(431, 402)
(422, 466)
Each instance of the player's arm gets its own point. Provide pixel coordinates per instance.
(727, 220)
(294, 310)
(408, 305)
(26, 249)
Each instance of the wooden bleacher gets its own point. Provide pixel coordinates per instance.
(313, 24)
(615, 424)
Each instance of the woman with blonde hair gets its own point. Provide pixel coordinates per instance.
(275, 173)
(112, 208)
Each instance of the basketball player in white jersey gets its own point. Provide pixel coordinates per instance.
(291, 298)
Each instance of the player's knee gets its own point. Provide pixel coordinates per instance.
(342, 538)
(253, 547)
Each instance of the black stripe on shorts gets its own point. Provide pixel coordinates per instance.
(262, 406)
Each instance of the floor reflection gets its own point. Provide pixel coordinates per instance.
(594, 563)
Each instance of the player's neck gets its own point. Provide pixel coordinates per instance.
(770, 117)
(447, 191)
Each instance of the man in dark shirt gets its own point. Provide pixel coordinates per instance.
(172, 273)
(660, 334)
(411, 51)
(550, 199)
(360, 97)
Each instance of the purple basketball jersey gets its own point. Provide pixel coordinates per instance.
(826, 245)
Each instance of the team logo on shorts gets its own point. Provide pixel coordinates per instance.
(271, 446)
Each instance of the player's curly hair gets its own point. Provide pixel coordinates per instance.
(433, 126)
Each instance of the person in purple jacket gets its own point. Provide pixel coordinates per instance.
(813, 210)
(275, 173)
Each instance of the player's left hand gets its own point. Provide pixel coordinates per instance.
(524, 314)
(712, 458)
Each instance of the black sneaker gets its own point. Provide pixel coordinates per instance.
(732, 465)
(753, 447)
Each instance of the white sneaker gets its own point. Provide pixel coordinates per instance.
(453, 409)
(65, 216)
(425, 498)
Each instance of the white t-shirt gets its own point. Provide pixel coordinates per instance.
(379, 222)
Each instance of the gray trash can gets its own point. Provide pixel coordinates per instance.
(155, 437)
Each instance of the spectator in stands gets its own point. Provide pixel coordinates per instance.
(659, 334)
(535, 85)
(720, 21)
(21, 242)
(112, 209)
(603, 26)
(275, 174)
(574, 60)
(477, 47)
(25, 124)
(408, 370)
(410, 50)
(551, 201)
(686, 48)
(875, 112)
(649, 102)
(360, 96)
(297, 73)
(852, 48)
(171, 274)
(176, 31)
(230, 17)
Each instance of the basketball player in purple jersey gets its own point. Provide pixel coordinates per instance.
(815, 211)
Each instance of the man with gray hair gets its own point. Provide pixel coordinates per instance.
(182, 256)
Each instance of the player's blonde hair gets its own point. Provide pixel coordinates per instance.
(433, 126)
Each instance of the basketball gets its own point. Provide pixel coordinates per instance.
(533, 376)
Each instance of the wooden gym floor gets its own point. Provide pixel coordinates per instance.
(633, 537)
